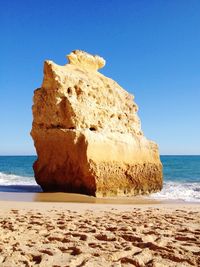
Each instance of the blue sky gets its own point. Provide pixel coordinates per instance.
(152, 49)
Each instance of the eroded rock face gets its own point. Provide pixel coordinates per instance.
(88, 135)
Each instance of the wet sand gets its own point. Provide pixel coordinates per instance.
(84, 233)
(77, 198)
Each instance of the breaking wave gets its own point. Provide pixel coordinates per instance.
(12, 179)
(189, 192)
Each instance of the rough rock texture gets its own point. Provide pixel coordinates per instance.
(88, 135)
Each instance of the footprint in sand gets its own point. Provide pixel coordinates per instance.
(82, 237)
(75, 251)
(48, 252)
(63, 249)
(36, 259)
(102, 237)
(95, 245)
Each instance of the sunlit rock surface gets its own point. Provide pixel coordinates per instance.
(88, 135)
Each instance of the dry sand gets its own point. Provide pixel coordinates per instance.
(88, 234)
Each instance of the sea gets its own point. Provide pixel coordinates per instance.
(181, 177)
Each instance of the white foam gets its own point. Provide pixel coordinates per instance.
(12, 179)
(179, 191)
(189, 192)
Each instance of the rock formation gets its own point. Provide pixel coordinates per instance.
(88, 135)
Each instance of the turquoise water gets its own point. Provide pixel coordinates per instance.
(16, 174)
(181, 168)
(181, 176)
(18, 165)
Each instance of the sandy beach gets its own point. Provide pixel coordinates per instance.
(99, 140)
(91, 234)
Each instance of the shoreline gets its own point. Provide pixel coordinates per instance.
(58, 197)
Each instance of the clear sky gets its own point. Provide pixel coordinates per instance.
(152, 49)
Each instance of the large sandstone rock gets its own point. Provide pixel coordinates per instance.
(87, 133)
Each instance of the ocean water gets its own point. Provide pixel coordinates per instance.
(16, 174)
(181, 177)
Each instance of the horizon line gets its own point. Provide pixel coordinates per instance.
(35, 155)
